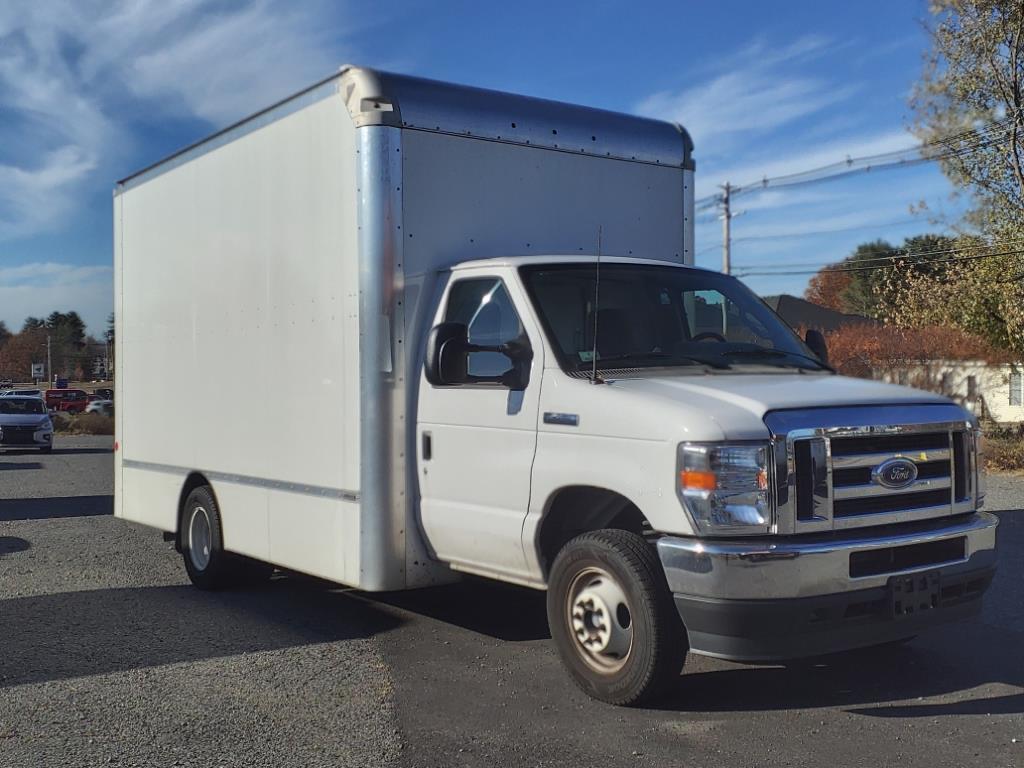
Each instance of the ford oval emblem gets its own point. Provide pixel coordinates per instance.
(895, 473)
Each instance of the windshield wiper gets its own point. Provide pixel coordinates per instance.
(653, 356)
(766, 352)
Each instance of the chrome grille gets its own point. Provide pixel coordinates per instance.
(854, 492)
(830, 466)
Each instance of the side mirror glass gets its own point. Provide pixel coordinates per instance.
(815, 340)
(447, 354)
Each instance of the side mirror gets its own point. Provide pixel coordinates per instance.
(815, 340)
(447, 358)
(447, 354)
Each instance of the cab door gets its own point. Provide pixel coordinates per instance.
(476, 442)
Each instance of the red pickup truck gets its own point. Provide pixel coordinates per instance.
(70, 400)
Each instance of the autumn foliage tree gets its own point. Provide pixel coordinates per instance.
(69, 346)
(869, 351)
(858, 284)
(979, 292)
(20, 351)
(826, 288)
(969, 106)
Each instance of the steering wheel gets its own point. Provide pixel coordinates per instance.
(708, 335)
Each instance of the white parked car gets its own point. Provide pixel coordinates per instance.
(21, 393)
(103, 407)
(24, 423)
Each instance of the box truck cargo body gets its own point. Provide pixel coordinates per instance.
(303, 247)
(391, 330)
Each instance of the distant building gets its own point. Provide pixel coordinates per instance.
(800, 313)
(991, 391)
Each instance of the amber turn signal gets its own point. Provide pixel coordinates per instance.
(694, 480)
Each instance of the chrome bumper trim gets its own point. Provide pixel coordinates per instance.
(771, 569)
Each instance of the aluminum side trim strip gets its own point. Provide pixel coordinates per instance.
(257, 482)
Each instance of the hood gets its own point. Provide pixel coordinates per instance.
(716, 407)
(20, 419)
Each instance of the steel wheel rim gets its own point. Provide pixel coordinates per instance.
(200, 538)
(600, 620)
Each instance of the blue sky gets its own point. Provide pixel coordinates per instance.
(90, 91)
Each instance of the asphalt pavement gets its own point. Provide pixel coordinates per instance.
(109, 657)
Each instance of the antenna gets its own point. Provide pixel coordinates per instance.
(597, 299)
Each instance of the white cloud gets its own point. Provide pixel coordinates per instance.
(68, 67)
(40, 288)
(33, 198)
(751, 92)
(762, 165)
(215, 61)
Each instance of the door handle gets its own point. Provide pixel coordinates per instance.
(428, 446)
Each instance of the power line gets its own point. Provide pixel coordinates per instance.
(813, 232)
(899, 256)
(977, 139)
(884, 266)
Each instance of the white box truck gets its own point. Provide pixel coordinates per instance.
(392, 330)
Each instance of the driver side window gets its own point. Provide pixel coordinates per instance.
(484, 306)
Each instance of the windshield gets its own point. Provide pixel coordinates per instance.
(654, 316)
(20, 406)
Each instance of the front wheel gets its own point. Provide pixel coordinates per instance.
(612, 618)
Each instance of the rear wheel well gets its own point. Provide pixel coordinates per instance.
(193, 481)
(581, 508)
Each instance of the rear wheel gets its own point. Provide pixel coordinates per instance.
(612, 618)
(208, 565)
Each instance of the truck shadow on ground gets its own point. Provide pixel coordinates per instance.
(11, 544)
(54, 452)
(55, 507)
(501, 611)
(61, 451)
(940, 664)
(91, 632)
(15, 465)
(947, 662)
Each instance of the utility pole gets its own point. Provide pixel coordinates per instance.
(726, 226)
(49, 364)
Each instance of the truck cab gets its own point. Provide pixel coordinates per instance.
(571, 408)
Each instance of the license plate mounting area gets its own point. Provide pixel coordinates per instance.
(914, 593)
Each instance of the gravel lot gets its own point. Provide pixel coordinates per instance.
(107, 656)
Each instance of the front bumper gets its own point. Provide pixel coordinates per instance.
(772, 599)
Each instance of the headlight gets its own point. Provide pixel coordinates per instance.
(725, 487)
(45, 423)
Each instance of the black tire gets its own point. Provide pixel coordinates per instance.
(48, 449)
(210, 567)
(657, 645)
